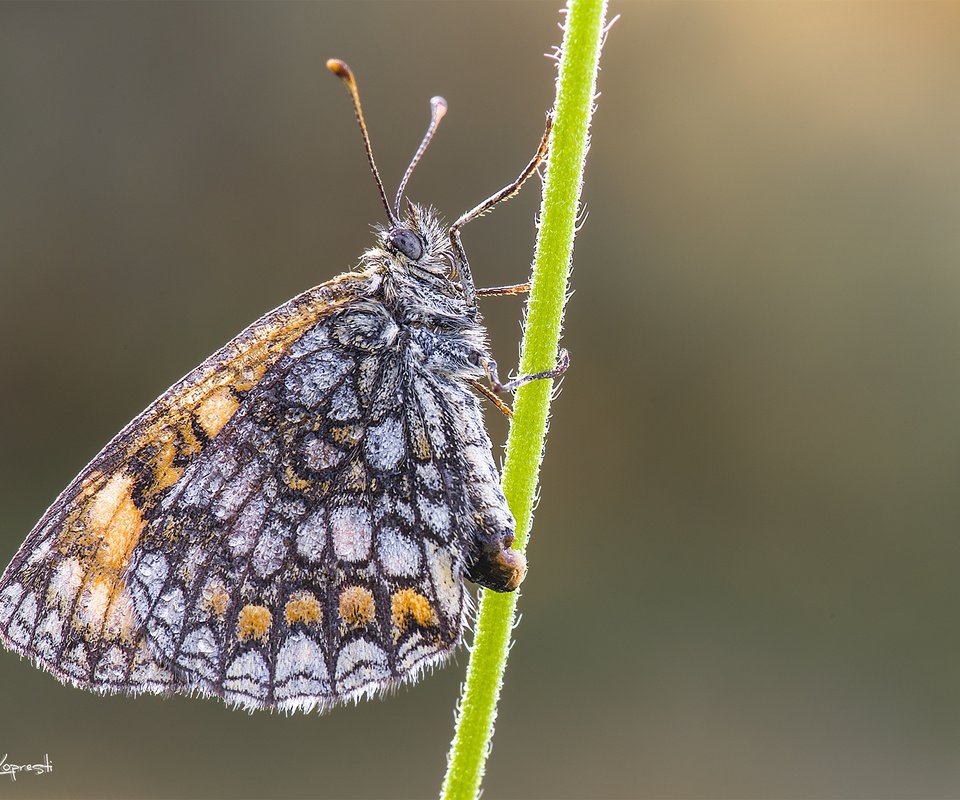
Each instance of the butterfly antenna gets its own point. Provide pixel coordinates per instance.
(342, 71)
(438, 108)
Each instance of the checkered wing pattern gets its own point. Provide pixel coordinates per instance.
(288, 527)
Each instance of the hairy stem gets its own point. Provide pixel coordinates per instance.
(576, 87)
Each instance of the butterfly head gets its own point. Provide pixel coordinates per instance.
(416, 242)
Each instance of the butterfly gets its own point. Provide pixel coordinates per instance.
(290, 526)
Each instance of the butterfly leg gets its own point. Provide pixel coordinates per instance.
(504, 408)
(501, 291)
(461, 265)
(563, 364)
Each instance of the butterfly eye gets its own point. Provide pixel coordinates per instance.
(407, 243)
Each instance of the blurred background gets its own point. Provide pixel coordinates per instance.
(744, 567)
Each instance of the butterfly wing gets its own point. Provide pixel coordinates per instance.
(66, 586)
(324, 563)
(287, 527)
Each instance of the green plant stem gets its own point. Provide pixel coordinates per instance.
(576, 87)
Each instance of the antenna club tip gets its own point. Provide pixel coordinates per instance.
(341, 70)
(439, 106)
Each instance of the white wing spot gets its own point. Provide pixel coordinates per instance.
(9, 598)
(399, 556)
(65, 583)
(21, 627)
(301, 675)
(112, 667)
(270, 550)
(237, 491)
(429, 476)
(345, 404)
(245, 529)
(320, 454)
(352, 533)
(449, 588)
(75, 662)
(247, 678)
(385, 444)
(314, 339)
(312, 536)
(435, 515)
(200, 653)
(311, 379)
(360, 664)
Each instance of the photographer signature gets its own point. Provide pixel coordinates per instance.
(6, 768)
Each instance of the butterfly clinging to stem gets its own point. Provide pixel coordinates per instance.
(291, 524)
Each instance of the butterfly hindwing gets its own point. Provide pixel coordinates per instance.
(326, 563)
(288, 526)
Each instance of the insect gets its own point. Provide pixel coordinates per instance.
(290, 525)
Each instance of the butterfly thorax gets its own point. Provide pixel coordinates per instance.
(424, 297)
